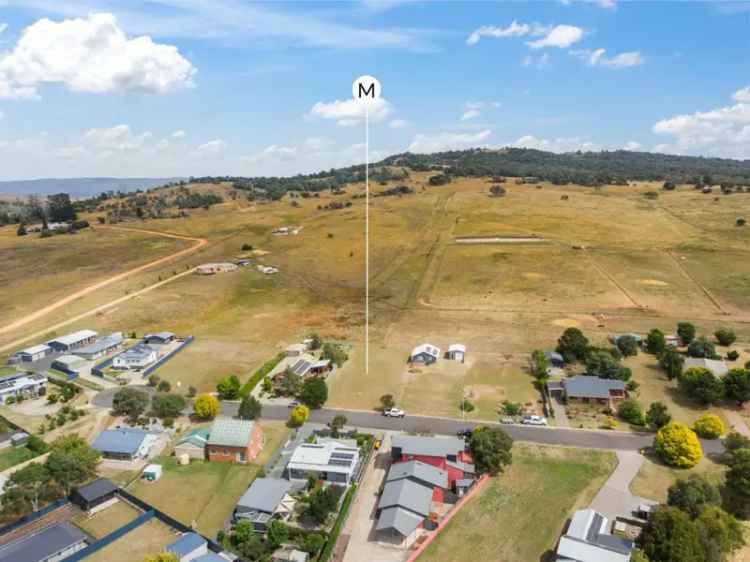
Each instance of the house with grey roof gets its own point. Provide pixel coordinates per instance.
(51, 544)
(716, 366)
(403, 507)
(265, 500)
(159, 338)
(68, 364)
(189, 547)
(588, 389)
(232, 440)
(33, 353)
(288, 553)
(125, 443)
(137, 357)
(426, 354)
(101, 347)
(22, 384)
(72, 341)
(588, 539)
(421, 473)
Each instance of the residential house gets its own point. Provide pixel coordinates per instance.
(189, 547)
(22, 384)
(457, 352)
(214, 268)
(52, 544)
(402, 510)
(101, 347)
(331, 460)
(125, 443)
(95, 496)
(555, 359)
(637, 337)
(160, 338)
(232, 440)
(68, 364)
(588, 539)
(445, 453)
(136, 358)
(193, 444)
(422, 473)
(587, 389)
(33, 353)
(265, 500)
(73, 341)
(425, 354)
(307, 366)
(716, 366)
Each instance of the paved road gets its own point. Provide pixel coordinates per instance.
(588, 439)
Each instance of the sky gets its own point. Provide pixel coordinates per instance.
(162, 88)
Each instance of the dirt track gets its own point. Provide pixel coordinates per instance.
(199, 243)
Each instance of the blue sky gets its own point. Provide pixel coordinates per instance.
(192, 87)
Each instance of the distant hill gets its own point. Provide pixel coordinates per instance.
(585, 168)
(79, 187)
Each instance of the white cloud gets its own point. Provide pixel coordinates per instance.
(179, 134)
(724, 131)
(2, 115)
(162, 145)
(350, 112)
(90, 55)
(515, 29)
(118, 138)
(562, 144)
(597, 58)
(607, 4)
(482, 104)
(537, 62)
(210, 148)
(274, 152)
(3, 27)
(447, 141)
(633, 145)
(398, 124)
(470, 114)
(72, 152)
(560, 36)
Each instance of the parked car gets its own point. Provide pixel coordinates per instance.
(394, 413)
(507, 419)
(294, 403)
(534, 420)
(464, 433)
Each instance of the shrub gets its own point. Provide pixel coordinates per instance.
(709, 426)
(153, 380)
(206, 406)
(167, 405)
(672, 362)
(702, 385)
(725, 336)
(314, 393)
(733, 355)
(466, 406)
(627, 345)
(686, 332)
(655, 341)
(658, 415)
(491, 449)
(701, 348)
(299, 415)
(228, 388)
(677, 445)
(250, 408)
(630, 411)
(737, 385)
(573, 345)
(164, 386)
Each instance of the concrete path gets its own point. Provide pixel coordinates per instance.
(615, 497)
(561, 416)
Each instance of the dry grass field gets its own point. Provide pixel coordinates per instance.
(613, 261)
(520, 515)
(150, 538)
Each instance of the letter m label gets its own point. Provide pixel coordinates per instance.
(369, 91)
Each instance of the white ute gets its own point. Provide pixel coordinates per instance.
(394, 413)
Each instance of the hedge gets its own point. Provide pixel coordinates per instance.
(333, 538)
(259, 375)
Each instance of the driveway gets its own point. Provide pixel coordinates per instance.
(615, 498)
(561, 416)
(360, 526)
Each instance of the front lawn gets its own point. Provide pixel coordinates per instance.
(12, 456)
(519, 516)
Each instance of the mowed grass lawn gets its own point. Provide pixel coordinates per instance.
(654, 477)
(519, 516)
(206, 492)
(150, 538)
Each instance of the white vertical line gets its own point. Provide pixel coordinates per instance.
(367, 239)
